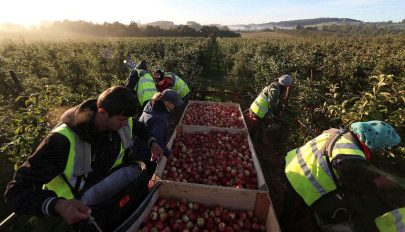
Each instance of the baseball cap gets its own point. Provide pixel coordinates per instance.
(171, 96)
(285, 80)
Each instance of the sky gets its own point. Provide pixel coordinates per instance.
(225, 12)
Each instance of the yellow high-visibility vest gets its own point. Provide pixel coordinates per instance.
(307, 170)
(393, 221)
(260, 106)
(79, 151)
(180, 87)
(146, 86)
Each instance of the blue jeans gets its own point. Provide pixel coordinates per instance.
(111, 185)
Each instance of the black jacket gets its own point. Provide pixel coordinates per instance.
(132, 80)
(24, 194)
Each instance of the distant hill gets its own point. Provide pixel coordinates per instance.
(165, 25)
(294, 23)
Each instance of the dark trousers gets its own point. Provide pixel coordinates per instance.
(113, 211)
(255, 127)
(111, 185)
(296, 215)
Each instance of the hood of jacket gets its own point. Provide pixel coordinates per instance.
(81, 120)
(155, 108)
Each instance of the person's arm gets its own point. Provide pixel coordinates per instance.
(354, 175)
(359, 179)
(157, 125)
(139, 129)
(24, 194)
(132, 80)
(286, 95)
(357, 176)
(274, 99)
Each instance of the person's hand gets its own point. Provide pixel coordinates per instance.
(72, 211)
(383, 182)
(156, 152)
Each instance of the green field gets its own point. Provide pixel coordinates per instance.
(337, 81)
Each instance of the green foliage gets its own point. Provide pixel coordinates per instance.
(62, 74)
(383, 100)
(336, 81)
(31, 125)
(365, 29)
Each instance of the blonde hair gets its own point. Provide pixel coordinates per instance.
(157, 96)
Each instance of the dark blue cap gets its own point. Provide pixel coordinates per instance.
(171, 96)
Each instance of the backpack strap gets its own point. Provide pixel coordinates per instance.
(352, 137)
(335, 135)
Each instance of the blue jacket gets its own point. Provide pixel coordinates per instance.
(155, 119)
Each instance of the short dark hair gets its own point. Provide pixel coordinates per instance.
(142, 65)
(118, 100)
(161, 74)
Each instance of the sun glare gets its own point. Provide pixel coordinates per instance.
(31, 13)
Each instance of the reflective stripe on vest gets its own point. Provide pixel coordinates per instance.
(79, 160)
(146, 80)
(308, 171)
(126, 140)
(392, 221)
(260, 106)
(146, 87)
(180, 87)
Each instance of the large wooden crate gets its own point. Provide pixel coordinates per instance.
(214, 103)
(231, 198)
(198, 129)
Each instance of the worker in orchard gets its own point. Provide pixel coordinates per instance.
(141, 82)
(169, 80)
(83, 165)
(154, 116)
(331, 176)
(267, 108)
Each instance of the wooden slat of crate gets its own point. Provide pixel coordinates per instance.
(209, 195)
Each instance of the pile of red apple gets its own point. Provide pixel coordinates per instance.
(172, 215)
(213, 115)
(213, 158)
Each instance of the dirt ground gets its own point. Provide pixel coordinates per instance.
(273, 170)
